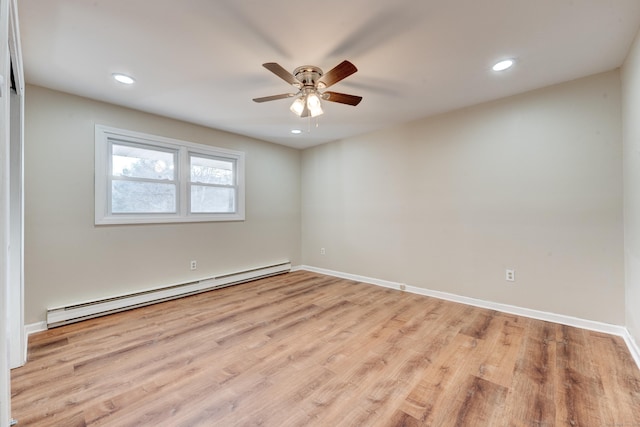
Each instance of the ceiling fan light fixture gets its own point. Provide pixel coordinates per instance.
(313, 104)
(298, 106)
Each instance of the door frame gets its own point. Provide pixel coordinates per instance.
(17, 336)
(12, 338)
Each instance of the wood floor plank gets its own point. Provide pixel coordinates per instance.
(499, 365)
(579, 387)
(481, 402)
(303, 349)
(621, 388)
(430, 399)
(531, 397)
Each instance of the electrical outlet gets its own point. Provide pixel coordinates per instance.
(194, 265)
(510, 275)
(322, 251)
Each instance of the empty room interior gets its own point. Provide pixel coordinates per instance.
(362, 213)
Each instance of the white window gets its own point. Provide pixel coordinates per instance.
(142, 178)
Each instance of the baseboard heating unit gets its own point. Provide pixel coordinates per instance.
(88, 310)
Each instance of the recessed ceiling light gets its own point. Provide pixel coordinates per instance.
(296, 131)
(123, 78)
(503, 65)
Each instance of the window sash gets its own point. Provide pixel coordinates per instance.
(207, 187)
(171, 202)
(114, 179)
(215, 159)
(230, 200)
(173, 153)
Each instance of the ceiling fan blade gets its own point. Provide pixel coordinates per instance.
(273, 97)
(342, 98)
(279, 71)
(339, 72)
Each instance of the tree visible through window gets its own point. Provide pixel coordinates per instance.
(144, 178)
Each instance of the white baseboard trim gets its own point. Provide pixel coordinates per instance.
(349, 276)
(562, 319)
(29, 329)
(32, 328)
(634, 349)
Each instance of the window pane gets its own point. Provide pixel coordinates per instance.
(212, 199)
(212, 171)
(139, 162)
(142, 197)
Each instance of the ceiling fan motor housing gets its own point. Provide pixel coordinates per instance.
(308, 75)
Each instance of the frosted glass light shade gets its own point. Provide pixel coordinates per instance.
(313, 104)
(297, 106)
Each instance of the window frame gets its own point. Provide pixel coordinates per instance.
(106, 135)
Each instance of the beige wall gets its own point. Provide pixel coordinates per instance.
(532, 182)
(68, 259)
(631, 136)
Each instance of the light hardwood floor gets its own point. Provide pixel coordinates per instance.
(304, 349)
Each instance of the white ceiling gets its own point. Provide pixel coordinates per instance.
(200, 60)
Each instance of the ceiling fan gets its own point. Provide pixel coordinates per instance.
(310, 80)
